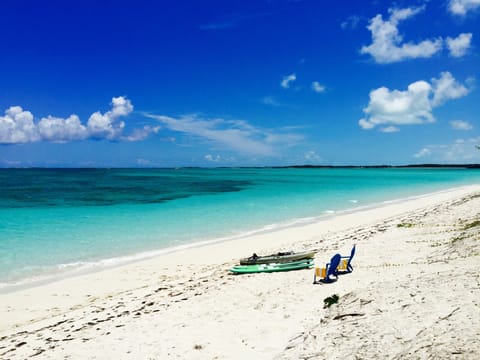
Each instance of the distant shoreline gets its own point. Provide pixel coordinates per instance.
(306, 166)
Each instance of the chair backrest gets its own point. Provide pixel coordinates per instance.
(334, 262)
(351, 255)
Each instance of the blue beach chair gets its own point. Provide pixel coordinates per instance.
(346, 262)
(330, 269)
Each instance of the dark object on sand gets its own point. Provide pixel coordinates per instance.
(273, 267)
(329, 301)
(281, 257)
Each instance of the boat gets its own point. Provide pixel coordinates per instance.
(273, 267)
(281, 257)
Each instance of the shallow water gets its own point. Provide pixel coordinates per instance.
(58, 220)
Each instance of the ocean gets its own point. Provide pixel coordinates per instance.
(56, 222)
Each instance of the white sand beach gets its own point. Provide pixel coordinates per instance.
(414, 293)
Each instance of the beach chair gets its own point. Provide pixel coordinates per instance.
(330, 269)
(346, 262)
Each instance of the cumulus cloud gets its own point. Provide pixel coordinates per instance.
(462, 7)
(447, 88)
(18, 126)
(387, 44)
(106, 125)
(392, 108)
(461, 125)
(459, 46)
(317, 87)
(287, 80)
(399, 107)
(61, 130)
(235, 135)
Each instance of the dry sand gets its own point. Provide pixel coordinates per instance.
(414, 293)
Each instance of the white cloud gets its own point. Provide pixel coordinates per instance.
(461, 150)
(237, 135)
(317, 87)
(142, 133)
(390, 129)
(461, 7)
(105, 125)
(461, 125)
(287, 80)
(423, 153)
(61, 130)
(459, 46)
(18, 126)
(399, 107)
(413, 106)
(387, 46)
(446, 88)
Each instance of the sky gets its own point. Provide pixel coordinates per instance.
(239, 83)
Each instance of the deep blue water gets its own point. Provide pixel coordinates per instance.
(55, 220)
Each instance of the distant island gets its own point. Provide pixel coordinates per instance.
(468, 166)
(306, 166)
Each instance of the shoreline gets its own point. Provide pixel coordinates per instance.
(306, 166)
(88, 268)
(187, 304)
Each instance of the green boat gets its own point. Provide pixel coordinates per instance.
(281, 257)
(273, 267)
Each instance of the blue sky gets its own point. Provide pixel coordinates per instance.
(239, 83)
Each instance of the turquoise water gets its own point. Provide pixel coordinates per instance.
(57, 220)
